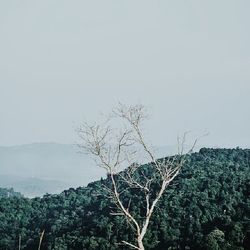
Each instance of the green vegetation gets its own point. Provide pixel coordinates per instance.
(9, 192)
(206, 207)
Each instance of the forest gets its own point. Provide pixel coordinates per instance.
(207, 206)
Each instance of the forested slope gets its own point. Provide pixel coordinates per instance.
(206, 207)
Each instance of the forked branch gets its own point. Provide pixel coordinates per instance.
(113, 149)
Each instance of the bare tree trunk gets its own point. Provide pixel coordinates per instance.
(140, 243)
(41, 239)
(19, 242)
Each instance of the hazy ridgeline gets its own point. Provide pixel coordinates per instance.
(40, 168)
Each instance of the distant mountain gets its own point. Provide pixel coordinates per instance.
(48, 161)
(32, 187)
(39, 168)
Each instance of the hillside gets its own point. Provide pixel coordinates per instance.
(206, 207)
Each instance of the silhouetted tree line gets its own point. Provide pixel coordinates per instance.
(206, 207)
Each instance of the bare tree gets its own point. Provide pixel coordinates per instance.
(115, 149)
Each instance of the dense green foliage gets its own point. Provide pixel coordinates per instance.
(9, 192)
(206, 207)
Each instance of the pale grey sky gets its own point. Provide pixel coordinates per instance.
(64, 61)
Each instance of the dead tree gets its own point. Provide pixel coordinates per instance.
(115, 150)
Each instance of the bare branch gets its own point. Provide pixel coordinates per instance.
(115, 149)
(129, 244)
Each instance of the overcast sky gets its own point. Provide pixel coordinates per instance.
(65, 61)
